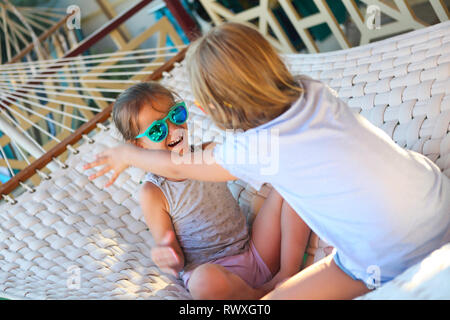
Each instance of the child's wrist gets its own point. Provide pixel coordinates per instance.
(129, 153)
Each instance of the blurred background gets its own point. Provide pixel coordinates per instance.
(294, 21)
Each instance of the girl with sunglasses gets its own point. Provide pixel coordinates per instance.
(200, 231)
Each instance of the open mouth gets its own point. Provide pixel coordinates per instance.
(175, 142)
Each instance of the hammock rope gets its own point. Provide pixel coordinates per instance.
(95, 58)
(22, 97)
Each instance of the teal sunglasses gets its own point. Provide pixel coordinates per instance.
(159, 130)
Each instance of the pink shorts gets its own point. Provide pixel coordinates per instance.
(249, 266)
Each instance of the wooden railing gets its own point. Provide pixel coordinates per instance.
(189, 28)
(362, 15)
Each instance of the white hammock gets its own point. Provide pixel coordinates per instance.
(73, 229)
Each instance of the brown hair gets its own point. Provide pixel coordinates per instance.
(128, 104)
(234, 68)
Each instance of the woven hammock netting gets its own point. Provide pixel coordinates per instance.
(69, 226)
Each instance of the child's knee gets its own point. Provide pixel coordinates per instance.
(274, 193)
(209, 281)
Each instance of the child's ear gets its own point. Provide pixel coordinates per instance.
(211, 106)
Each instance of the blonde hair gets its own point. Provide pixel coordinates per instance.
(234, 68)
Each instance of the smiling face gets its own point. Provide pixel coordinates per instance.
(176, 139)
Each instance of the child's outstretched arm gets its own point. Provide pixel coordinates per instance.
(198, 165)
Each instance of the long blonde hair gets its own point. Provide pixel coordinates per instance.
(237, 71)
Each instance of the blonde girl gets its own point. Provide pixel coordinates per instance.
(383, 208)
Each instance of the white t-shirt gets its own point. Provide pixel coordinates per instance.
(382, 207)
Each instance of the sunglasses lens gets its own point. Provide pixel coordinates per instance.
(158, 132)
(179, 115)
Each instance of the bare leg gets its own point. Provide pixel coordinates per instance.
(214, 282)
(266, 231)
(277, 233)
(322, 280)
(294, 239)
(280, 236)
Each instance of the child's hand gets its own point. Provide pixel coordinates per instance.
(115, 159)
(166, 257)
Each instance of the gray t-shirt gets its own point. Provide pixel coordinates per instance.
(207, 219)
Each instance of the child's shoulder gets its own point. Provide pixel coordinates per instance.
(152, 194)
(309, 84)
(304, 78)
(154, 179)
(150, 189)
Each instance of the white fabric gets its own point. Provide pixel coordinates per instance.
(377, 203)
(428, 279)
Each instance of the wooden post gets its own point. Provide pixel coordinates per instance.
(41, 38)
(183, 18)
(30, 170)
(121, 35)
(106, 29)
(89, 41)
(87, 127)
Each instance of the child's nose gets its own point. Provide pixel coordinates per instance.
(172, 126)
(173, 129)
